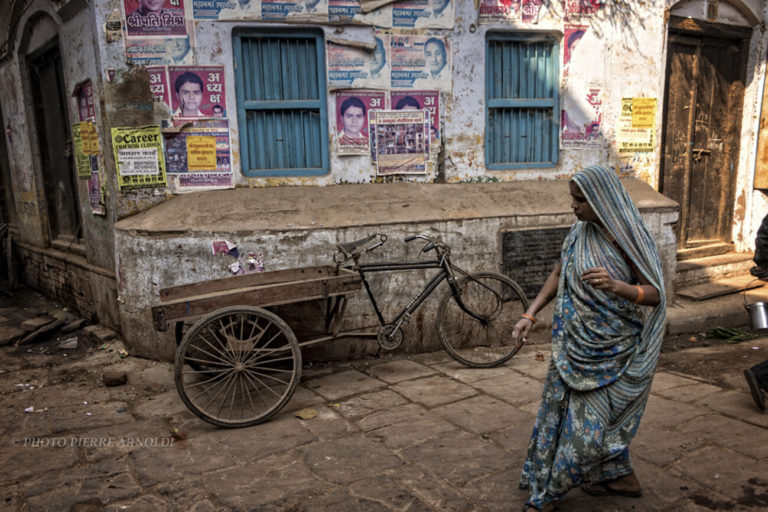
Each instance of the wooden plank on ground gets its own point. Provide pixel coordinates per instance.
(720, 287)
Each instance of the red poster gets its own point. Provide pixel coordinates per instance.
(418, 100)
(84, 96)
(197, 91)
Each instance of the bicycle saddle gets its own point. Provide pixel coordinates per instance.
(351, 248)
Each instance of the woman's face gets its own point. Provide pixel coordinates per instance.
(581, 208)
(435, 57)
(353, 120)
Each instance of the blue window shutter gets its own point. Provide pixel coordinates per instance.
(522, 101)
(281, 102)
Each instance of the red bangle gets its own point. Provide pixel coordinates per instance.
(529, 317)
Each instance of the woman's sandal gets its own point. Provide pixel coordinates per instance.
(604, 489)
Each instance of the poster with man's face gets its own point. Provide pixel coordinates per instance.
(154, 18)
(352, 108)
(197, 91)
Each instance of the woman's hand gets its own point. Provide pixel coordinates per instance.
(520, 332)
(599, 278)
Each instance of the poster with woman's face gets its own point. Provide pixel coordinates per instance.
(352, 109)
(197, 91)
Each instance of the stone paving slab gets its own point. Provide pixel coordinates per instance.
(417, 433)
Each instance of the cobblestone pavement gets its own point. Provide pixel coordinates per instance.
(417, 433)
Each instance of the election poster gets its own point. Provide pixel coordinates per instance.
(529, 10)
(400, 142)
(197, 91)
(582, 118)
(159, 51)
(345, 11)
(226, 9)
(352, 108)
(139, 156)
(420, 62)
(198, 155)
(499, 11)
(572, 34)
(84, 96)
(636, 125)
(353, 67)
(158, 85)
(154, 18)
(582, 8)
(421, 100)
(422, 14)
(95, 190)
(281, 10)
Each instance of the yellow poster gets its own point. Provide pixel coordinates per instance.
(139, 157)
(636, 125)
(82, 162)
(90, 138)
(201, 153)
(643, 113)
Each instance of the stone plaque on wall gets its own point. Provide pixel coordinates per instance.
(528, 255)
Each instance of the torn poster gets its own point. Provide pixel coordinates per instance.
(226, 9)
(422, 14)
(198, 156)
(418, 100)
(499, 11)
(582, 118)
(95, 190)
(154, 18)
(350, 67)
(420, 62)
(344, 11)
(197, 91)
(159, 51)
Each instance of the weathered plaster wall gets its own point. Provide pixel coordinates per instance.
(170, 245)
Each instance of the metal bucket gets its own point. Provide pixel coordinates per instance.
(758, 314)
(758, 317)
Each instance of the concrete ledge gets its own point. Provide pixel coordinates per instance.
(689, 316)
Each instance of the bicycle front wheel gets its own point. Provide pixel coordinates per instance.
(485, 341)
(237, 366)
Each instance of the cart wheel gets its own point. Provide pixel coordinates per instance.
(485, 342)
(237, 366)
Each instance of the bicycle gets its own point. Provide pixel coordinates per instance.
(240, 364)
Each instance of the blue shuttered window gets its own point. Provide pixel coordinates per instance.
(281, 103)
(522, 101)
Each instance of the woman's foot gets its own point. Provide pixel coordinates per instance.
(627, 485)
(547, 507)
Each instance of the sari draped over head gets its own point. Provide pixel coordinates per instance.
(604, 348)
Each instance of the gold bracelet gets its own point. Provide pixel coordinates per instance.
(529, 317)
(640, 295)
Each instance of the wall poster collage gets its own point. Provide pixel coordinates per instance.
(85, 143)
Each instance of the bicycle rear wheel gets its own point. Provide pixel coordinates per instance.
(237, 366)
(484, 342)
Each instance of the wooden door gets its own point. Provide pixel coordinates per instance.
(53, 137)
(703, 104)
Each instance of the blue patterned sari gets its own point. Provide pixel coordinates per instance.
(604, 349)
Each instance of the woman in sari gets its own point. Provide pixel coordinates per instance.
(606, 337)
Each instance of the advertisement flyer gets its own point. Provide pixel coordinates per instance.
(499, 11)
(637, 125)
(198, 155)
(582, 118)
(95, 192)
(139, 157)
(82, 163)
(420, 62)
(341, 11)
(352, 109)
(418, 100)
(154, 18)
(226, 9)
(400, 142)
(159, 51)
(281, 10)
(197, 91)
(351, 67)
(422, 14)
